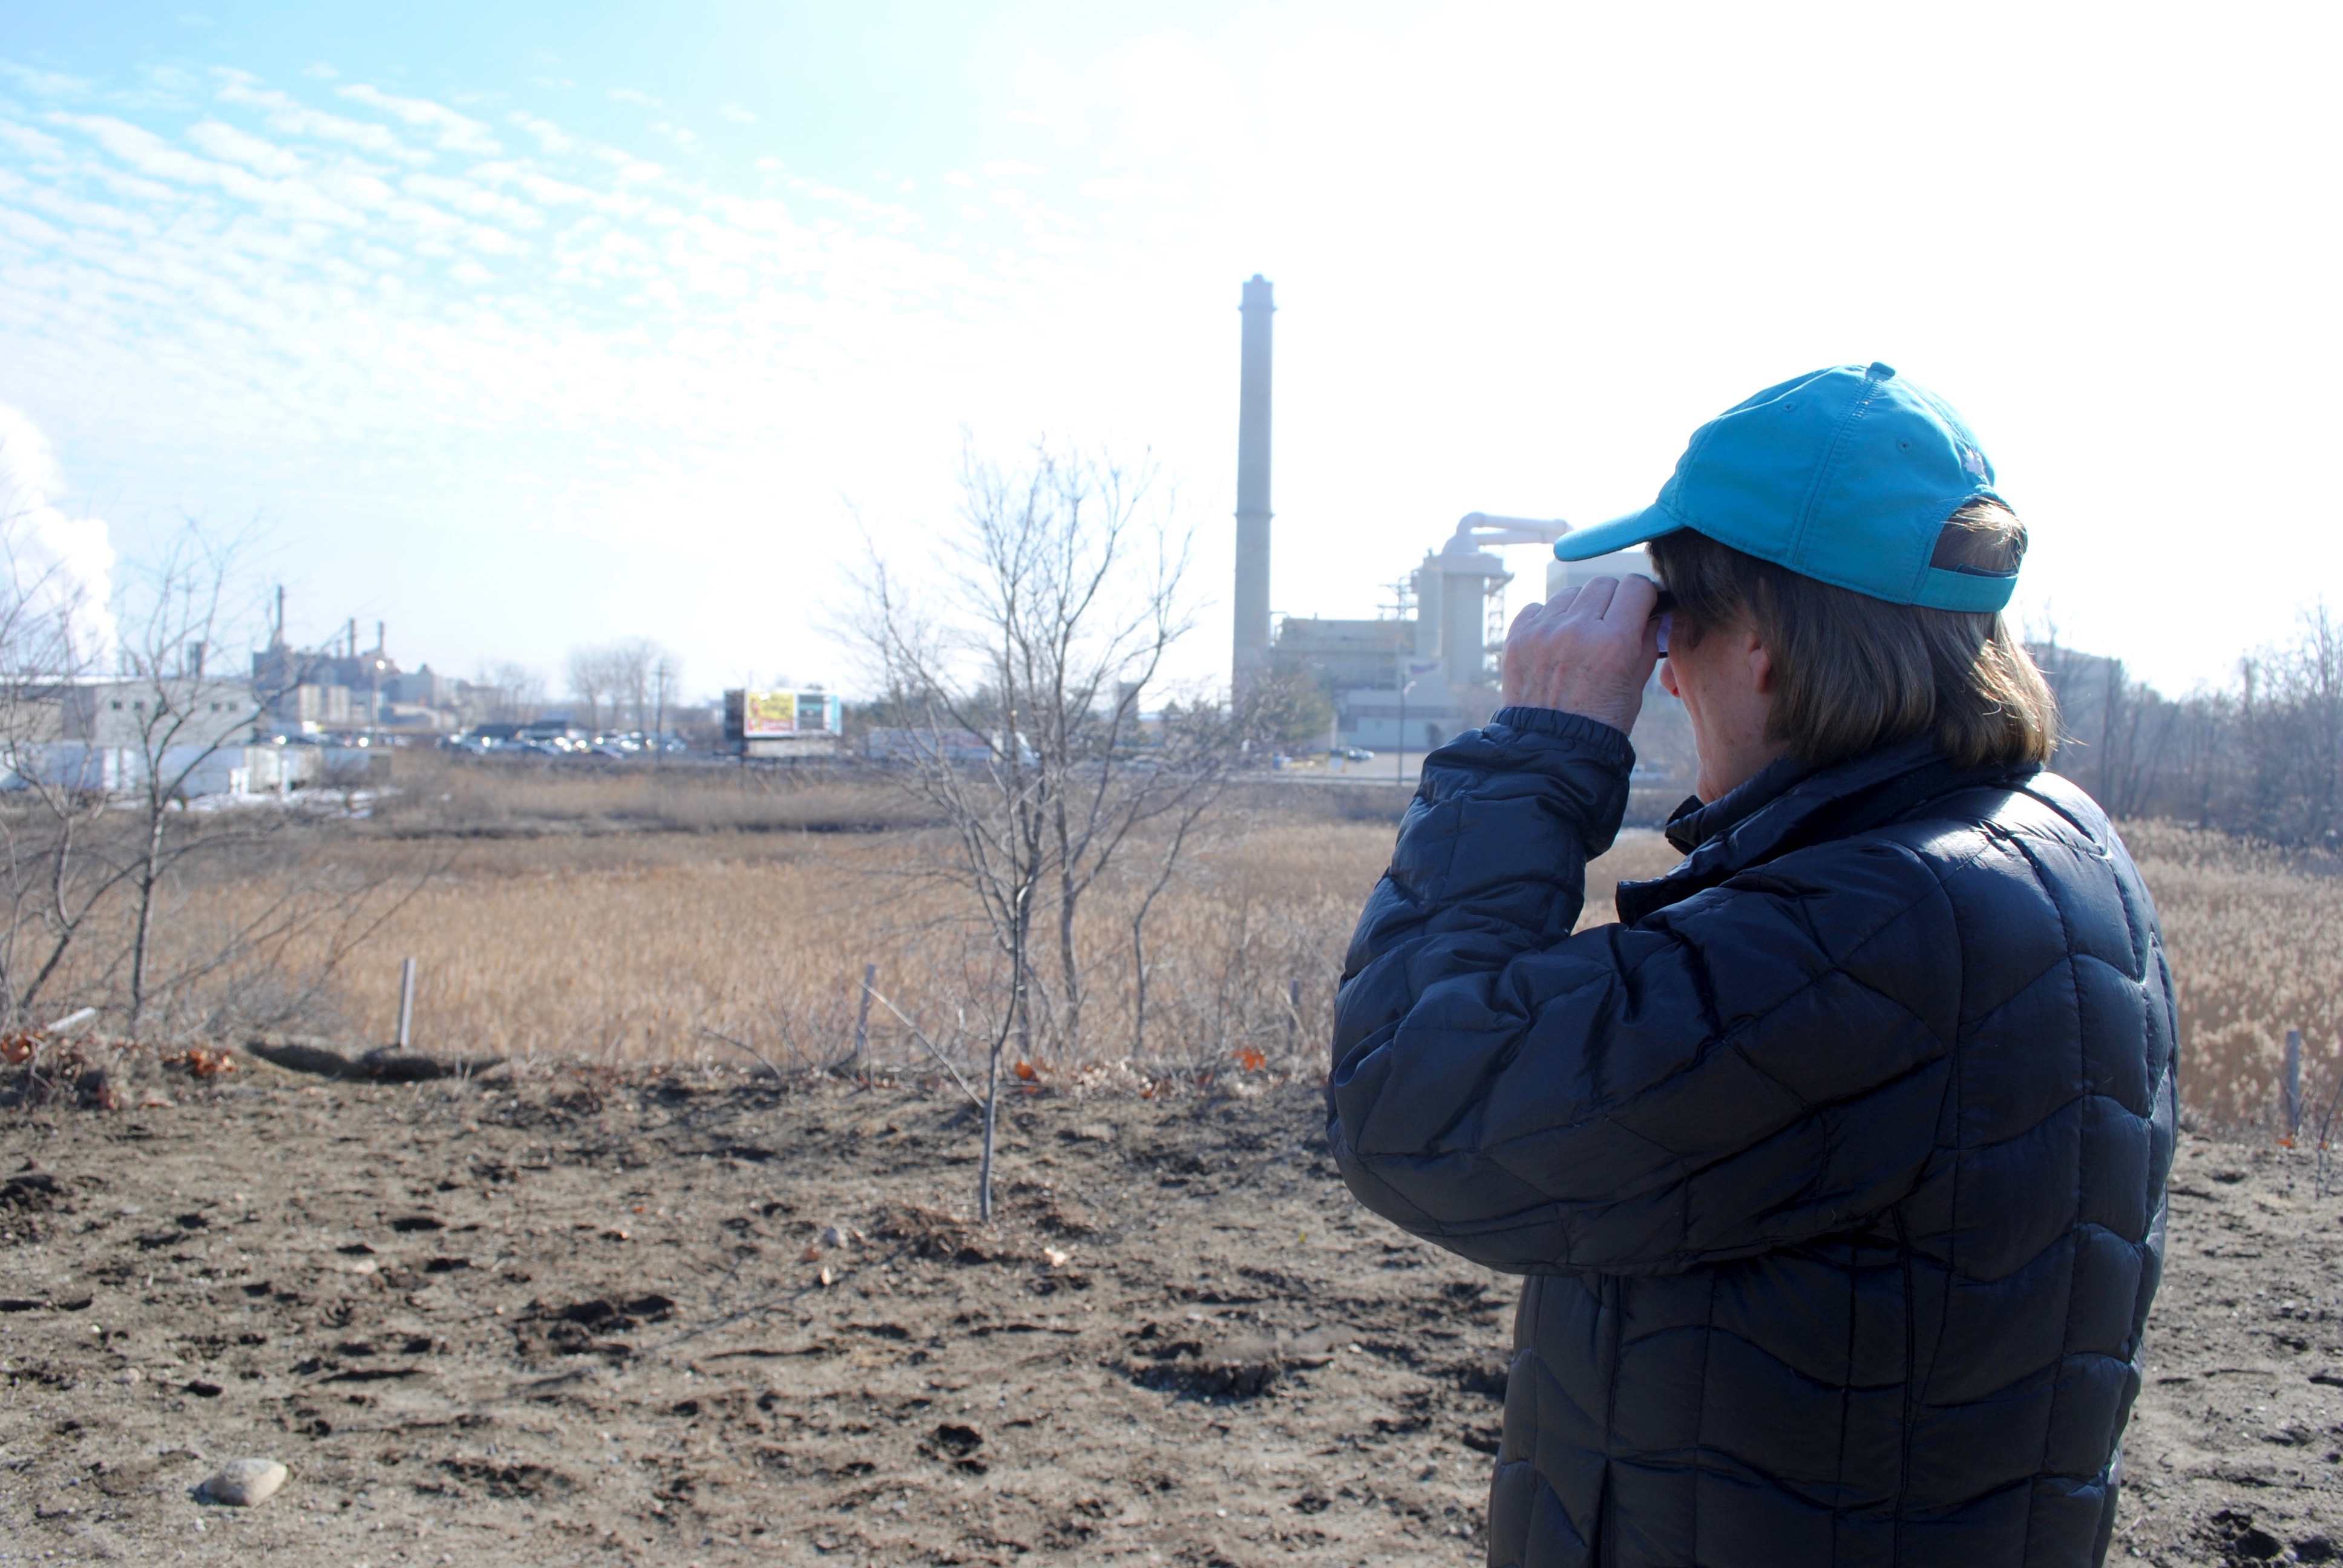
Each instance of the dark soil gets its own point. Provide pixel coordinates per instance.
(698, 1320)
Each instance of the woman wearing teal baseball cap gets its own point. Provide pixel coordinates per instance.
(1836, 1167)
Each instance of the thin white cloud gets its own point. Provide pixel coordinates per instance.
(48, 84)
(255, 152)
(476, 200)
(37, 145)
(287, 116)
(737, 114)
(457, 132)
(23, 226)
(631, 169)
(549, 136)
(150, 154)
(578, 287)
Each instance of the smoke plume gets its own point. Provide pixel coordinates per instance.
(56, 569)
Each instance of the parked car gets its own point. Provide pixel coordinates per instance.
(1351, 753)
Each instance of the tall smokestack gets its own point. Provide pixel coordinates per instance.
(1253, 489)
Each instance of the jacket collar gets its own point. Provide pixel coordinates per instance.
(1789, 804)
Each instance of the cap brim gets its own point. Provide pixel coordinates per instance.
(1586, 544)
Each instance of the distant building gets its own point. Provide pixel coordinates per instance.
(364, 680)
(184, 711)
(1413, 679)
(963, 747)
(306, 708)
(423, 688)
(1350, 654)
(416, 717)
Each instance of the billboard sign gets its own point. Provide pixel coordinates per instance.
(764, 713)
(768, 715)
(817, 713)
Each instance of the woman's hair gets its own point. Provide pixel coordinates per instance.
(1852, 672)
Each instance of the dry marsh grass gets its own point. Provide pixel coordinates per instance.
(658, 945)
(2255, 940)
(662, 946)
(596, 916)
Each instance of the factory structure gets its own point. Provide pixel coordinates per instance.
(1428, 668)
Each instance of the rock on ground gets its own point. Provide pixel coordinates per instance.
(244, 1482)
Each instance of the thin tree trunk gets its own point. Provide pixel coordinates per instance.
(1139, 983)
(1073, 1042)
(1017, 1020)
(991, 1119)
(148, 876)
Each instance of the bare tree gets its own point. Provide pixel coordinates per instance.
(510, 693)
(1062, 601)
(180, 717)
(632, 676)
(591, 681)
(2262, 756)
(632, 667)
(97, 839)
(667, 676)
(51, 892)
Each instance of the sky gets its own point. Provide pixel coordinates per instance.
(521, 326)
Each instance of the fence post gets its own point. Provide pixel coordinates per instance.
(406, 1000)
(862, 1014)
(2293, 1082)
(1293, 1012)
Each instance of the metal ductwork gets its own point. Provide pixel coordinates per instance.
(1455, 588)
(1251, 598)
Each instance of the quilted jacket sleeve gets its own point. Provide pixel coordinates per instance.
(1759, 1064)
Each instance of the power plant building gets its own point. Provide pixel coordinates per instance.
(1408, 681)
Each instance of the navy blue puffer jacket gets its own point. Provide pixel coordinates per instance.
(1838, 1167)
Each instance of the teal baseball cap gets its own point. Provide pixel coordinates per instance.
(1847, 476)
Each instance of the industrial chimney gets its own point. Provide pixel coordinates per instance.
(1251, 654)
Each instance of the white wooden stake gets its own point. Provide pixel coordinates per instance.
(862, 1014)
(2293, 1082)
(406, 1000)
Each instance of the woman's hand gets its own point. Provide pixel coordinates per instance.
(1590, 651)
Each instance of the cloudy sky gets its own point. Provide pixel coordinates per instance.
(522, 326)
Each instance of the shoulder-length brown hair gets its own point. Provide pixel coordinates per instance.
(1852, 672)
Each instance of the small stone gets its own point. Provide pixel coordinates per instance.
(833, 1237)
(245, 1483)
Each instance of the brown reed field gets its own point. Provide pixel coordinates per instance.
(2255, 940)
(729, 913)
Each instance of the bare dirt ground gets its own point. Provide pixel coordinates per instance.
(693, 1319)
